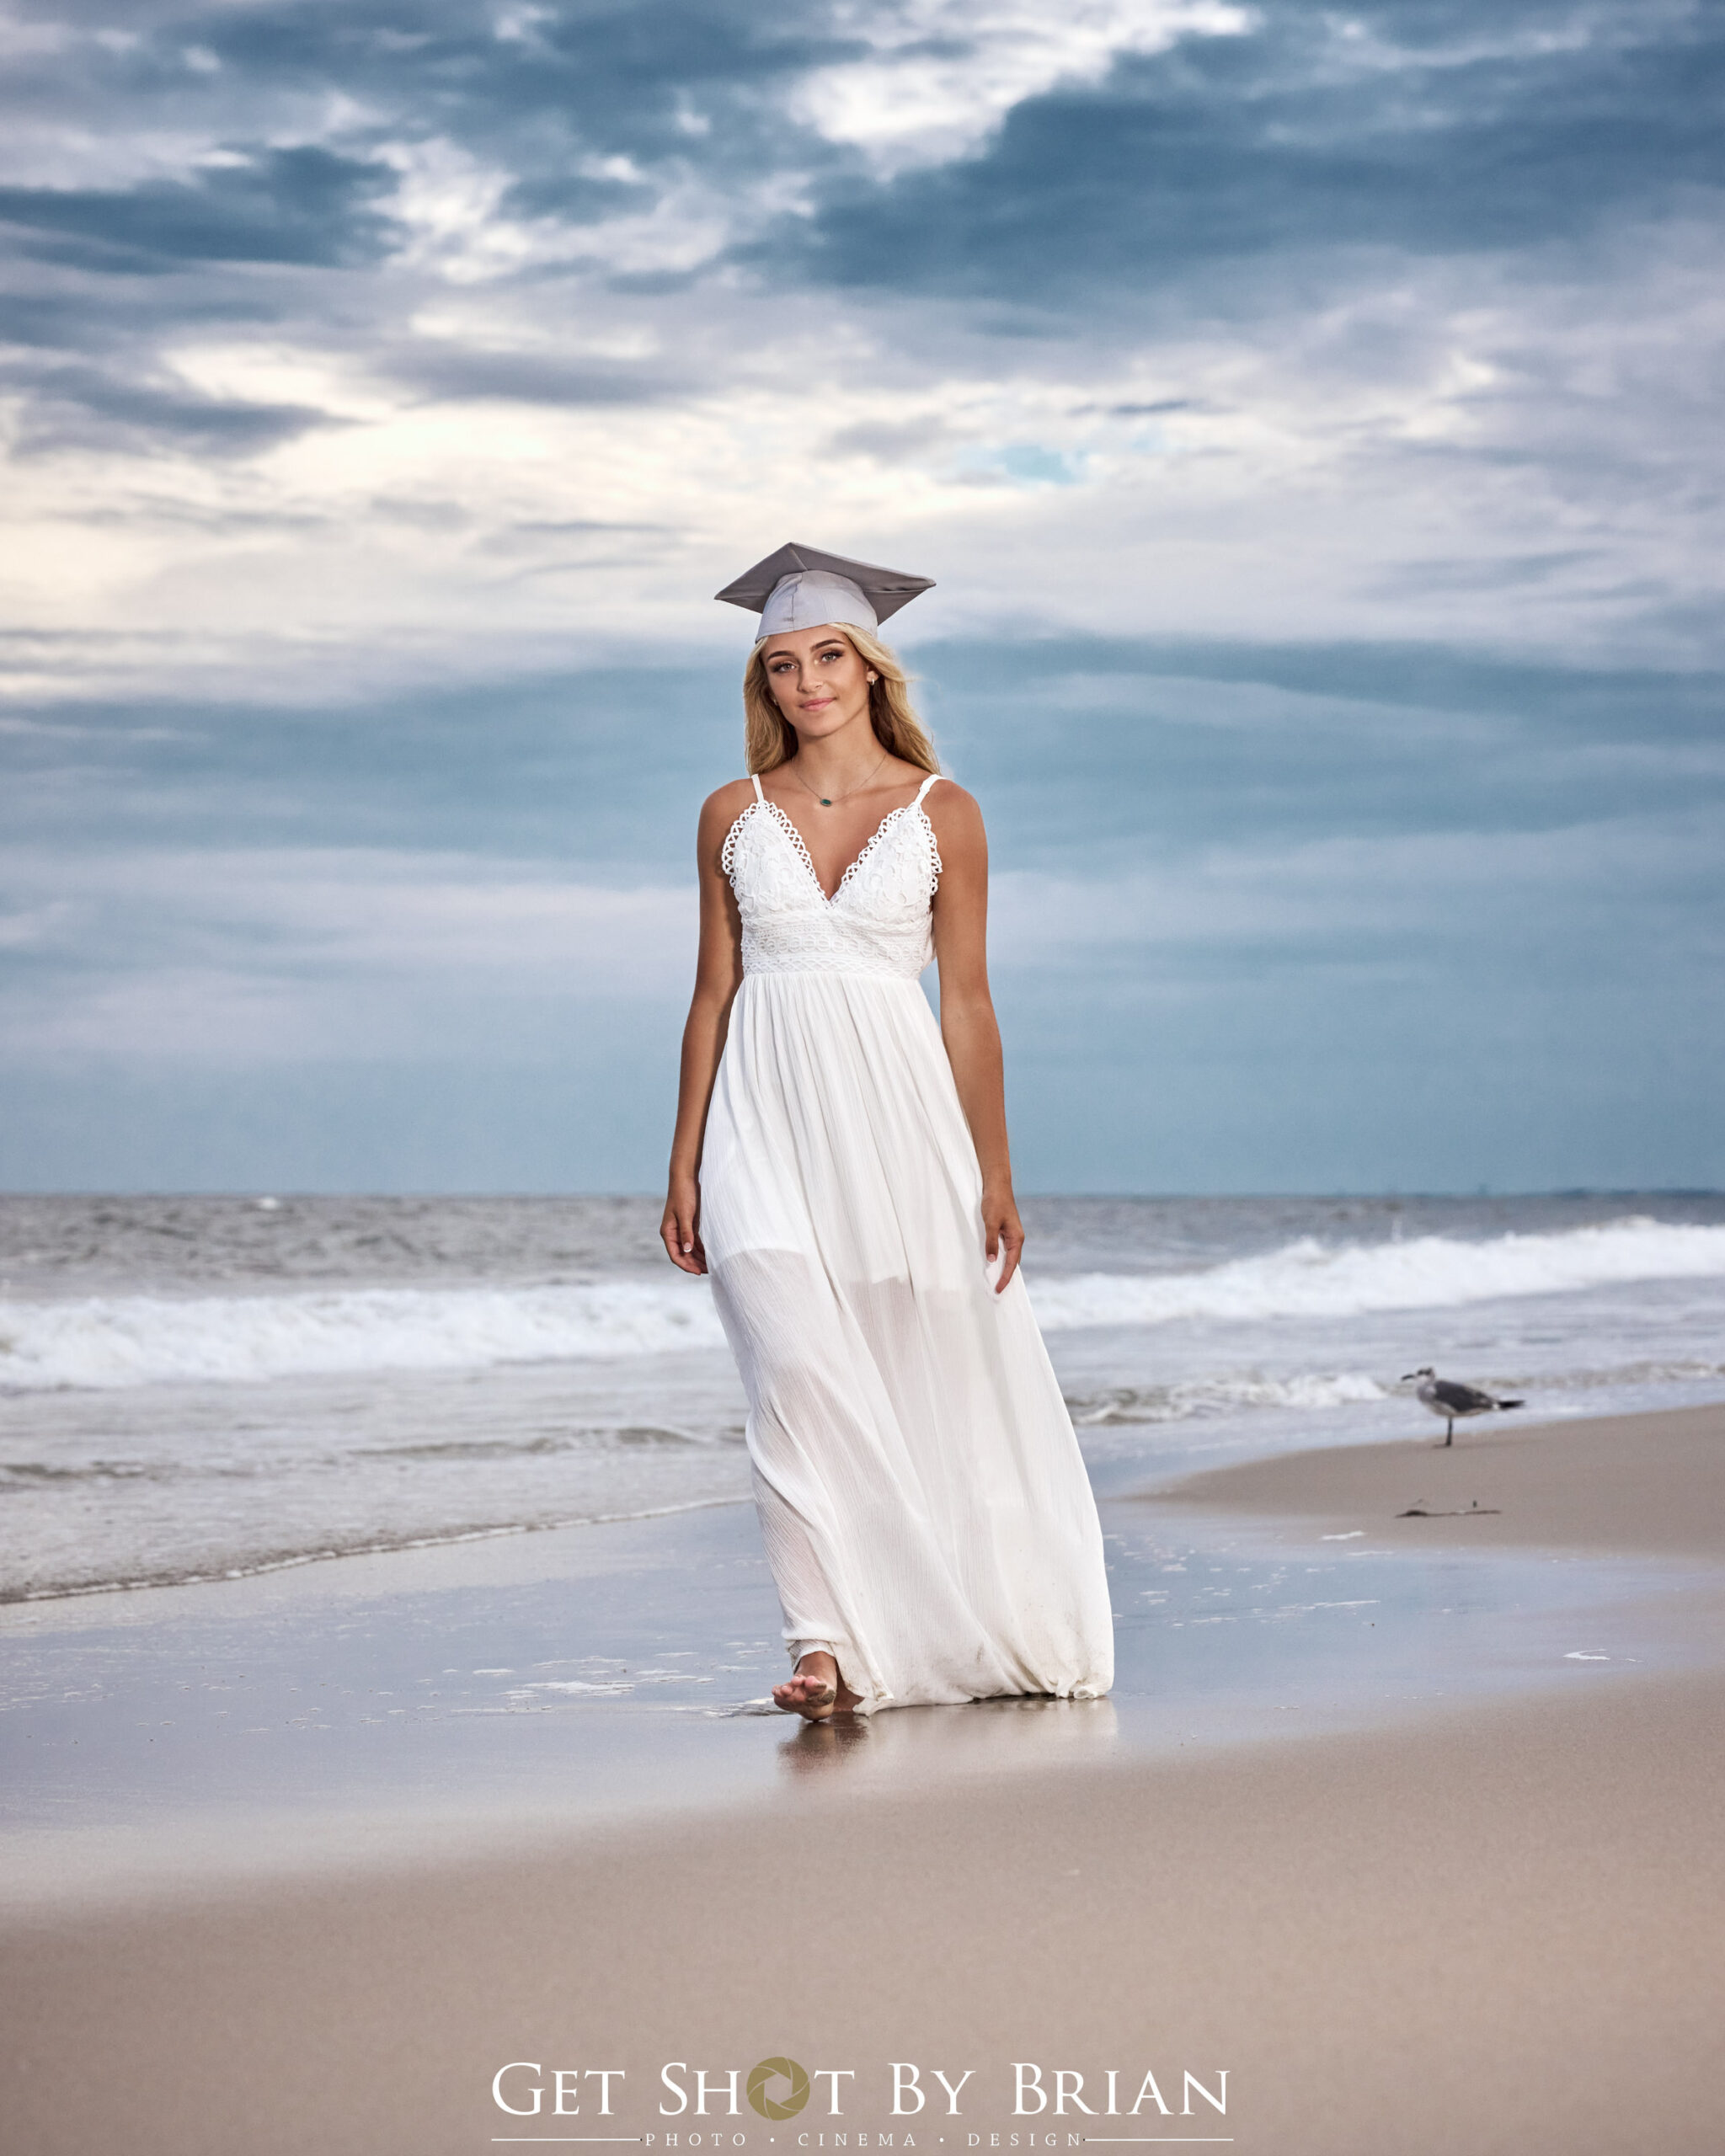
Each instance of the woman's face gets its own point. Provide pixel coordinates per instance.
(818, 680)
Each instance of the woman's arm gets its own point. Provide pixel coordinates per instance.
(719, 969)
(967, 1020)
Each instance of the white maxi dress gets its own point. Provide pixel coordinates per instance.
(924, 1506)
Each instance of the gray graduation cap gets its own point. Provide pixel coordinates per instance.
(803, 588)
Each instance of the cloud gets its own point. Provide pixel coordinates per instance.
(935, 79)
(90, 407)
(1082, 749)
(456, 370)
(1394, 127)
(302, 205)
(1579, 898)
(279, 955)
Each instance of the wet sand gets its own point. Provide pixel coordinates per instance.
(1492, 1929)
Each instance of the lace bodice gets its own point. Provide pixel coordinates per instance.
(879, 920)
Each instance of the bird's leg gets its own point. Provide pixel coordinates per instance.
(1449, 1430)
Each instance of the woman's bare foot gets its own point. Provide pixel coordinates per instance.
(816, 1692)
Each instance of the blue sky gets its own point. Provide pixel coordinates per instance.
(1310, 416)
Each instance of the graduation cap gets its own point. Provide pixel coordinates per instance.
(802, 588)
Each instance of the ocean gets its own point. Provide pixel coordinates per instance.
(199, 1388)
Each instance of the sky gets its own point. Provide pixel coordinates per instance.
(1309, 416)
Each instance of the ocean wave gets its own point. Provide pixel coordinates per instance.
(1223, 1392)
(106, 1341)
(1213, 1396)
(1310, 1278)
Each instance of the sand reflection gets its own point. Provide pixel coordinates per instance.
(904, 1744)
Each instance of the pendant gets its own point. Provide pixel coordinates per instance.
(823, 800)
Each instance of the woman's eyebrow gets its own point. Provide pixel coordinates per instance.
(827, 643)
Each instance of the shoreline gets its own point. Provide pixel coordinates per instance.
(407, 1546)
(1272, 1485)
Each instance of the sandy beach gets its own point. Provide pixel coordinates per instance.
(1492, 1928)
(1618, 1482)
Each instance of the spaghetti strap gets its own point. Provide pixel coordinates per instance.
(923, 790)
(762, 797)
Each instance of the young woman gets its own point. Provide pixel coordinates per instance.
(841, 1170)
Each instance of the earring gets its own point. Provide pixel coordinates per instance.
(874, 677)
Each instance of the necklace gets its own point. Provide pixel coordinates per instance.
(826, 800)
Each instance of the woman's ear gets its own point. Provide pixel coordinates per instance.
(874, 677)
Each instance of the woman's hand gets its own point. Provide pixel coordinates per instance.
(1003, 1231)
(680, 1230)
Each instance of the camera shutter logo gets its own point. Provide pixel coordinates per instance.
(777, 2069)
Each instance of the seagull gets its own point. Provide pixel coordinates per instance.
(1455, 1401)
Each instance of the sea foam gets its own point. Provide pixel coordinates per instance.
(1310, 1278)
(104, 1341)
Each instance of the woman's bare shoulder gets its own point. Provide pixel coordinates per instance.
(952, 811)
(719, 811)
(725, 804)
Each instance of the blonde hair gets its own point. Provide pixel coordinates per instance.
(770, 740)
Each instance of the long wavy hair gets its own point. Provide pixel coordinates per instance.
(770, 740)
